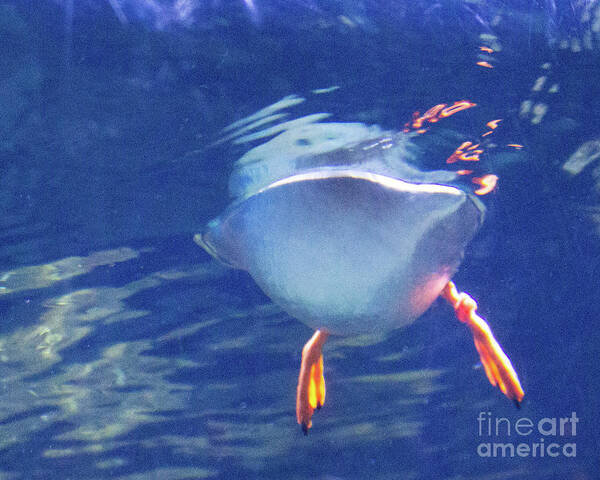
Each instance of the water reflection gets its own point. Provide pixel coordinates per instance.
(95, 379)
(41, 276)
(57, 375)
(189, 372)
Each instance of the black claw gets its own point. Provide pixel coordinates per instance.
(517, 403)
(304, 428)
(319, 406)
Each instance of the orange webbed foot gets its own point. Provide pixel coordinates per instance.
(496, 364)
(311, 384)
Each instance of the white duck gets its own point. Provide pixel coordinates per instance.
(340, 231)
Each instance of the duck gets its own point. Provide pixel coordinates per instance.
(345, 234)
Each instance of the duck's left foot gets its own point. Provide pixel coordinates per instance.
(311, 384)
(497, 365)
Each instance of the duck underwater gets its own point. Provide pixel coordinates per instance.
(344, 234)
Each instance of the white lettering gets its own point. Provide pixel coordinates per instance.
(551, 430)
(524, 423)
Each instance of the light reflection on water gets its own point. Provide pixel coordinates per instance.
(201, 392)
(127, 364)
(93, 394)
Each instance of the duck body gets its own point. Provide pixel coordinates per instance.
(345, 246)
(339, 229)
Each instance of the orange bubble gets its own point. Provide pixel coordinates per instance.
(515, 145)
(417, 120)
(431, 116)
(484, 64)
(486, 49)
(432, 113)
(472, 157)
(487, 182)
(456, 107)
(452, 158)
(464, 172)
(493, 123)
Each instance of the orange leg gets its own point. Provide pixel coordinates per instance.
(311, 384)
(497, 365)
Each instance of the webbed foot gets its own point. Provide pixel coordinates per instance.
(311, 384)
(498, 368)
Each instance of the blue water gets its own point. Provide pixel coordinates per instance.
(127, 353)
